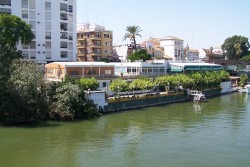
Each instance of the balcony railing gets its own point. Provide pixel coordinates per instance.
(93, 37)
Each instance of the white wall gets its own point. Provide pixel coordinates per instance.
(98, 98)
(226, 87)
(40, 22)
(122, 52)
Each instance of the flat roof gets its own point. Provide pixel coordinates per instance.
(83, 63)
(194, 64)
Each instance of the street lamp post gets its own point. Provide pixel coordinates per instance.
(118, 87)
(89, 94)
(157, 85)
(133, 90)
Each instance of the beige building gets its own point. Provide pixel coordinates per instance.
(94, 43)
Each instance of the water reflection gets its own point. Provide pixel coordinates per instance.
(129, 138)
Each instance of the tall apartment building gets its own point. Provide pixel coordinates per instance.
(94, 43)
(53, 24)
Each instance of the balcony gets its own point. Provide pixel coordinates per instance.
(94, 46)
(95, 54)
(81, 55)
(5, 2)
(93, 37)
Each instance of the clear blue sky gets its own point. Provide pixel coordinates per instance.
(200, 23)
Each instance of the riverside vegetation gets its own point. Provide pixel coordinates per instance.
(26, 97)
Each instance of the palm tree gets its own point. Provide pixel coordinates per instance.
(132, 32)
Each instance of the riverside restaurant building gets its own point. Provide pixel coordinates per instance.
(59, 70)
(193, 67)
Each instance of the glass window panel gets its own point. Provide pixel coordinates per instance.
(32, 4)
(25, 4)
(33, 24)
(32, 15)
(47, 5)
(48, 16)
(47, 25)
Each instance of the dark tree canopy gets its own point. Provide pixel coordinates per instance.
(140, 55)
(235, 47)
(14, 30)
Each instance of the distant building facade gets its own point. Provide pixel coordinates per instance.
(94, 43)
(173, 48)
(53, 25)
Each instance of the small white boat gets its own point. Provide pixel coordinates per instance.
(247, 88)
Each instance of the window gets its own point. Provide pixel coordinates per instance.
(64, 35)
(74, 73)
(98, 43)
(25, 54)
(47, 35)
(63, 16)
(33, 45)
(25, 14)
(5, 2)
(70, 36)
(70, 46)
(70, 18)
(47, 5)
(64, 44)
(34, 34)
(25, 4)
(98, 50)
(50, 71)
(48, 45)
(106, 35)
(70, 55)
(48, 16)
(70, 8)
(32, 15)
(106, 43)
(64, 26)
(33, 24)
(104, 84)
(105, 51)
(5, 10)
(71, 27)
(47, 25)
(64, 54)
(32, 54)
(48, 54)
(63, 7)
(32, 4)
(25, 46)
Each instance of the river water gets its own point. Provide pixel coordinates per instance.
(211, 134)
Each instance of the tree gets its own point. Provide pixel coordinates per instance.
(26, 94)
(132, 32)
(118, 85)
(243, 80)
(246, 58)
(235, 47)
(140, 55)
(13, 30)
(88, 83)
(141, 84)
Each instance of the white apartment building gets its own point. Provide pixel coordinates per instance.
(53, 24)
(173, 48)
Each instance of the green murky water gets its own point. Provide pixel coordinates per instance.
(212, 134)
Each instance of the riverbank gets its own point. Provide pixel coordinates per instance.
(122, 104)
